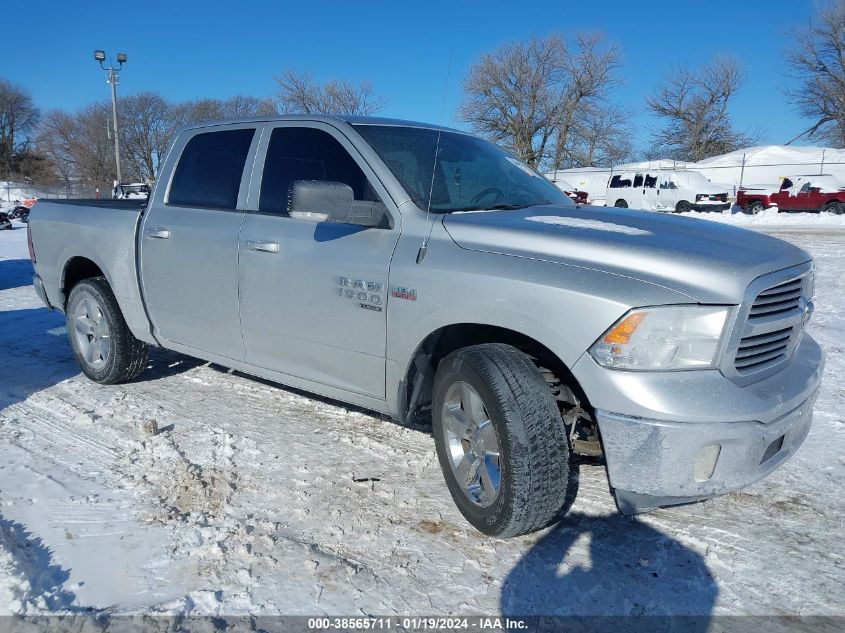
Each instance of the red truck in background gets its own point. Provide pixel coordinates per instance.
(811, 193)
(755, 198)
(578, 197)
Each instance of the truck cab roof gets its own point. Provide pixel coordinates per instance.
(324, 118)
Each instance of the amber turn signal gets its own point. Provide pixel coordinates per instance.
(622, 333)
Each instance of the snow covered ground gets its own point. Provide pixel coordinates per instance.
(771, 219)
(253, 498)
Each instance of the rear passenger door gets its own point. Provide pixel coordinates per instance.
(668, 191)
(313, 296)
(651, 193)
(189, 240)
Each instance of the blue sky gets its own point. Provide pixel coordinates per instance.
(191, 48)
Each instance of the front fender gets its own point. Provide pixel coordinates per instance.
(561, 307)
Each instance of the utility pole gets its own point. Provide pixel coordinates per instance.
(111, 78)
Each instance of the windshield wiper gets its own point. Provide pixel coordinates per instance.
(499, 207)
(493, 207)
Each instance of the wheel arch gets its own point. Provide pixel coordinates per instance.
(419, 372)
(75, 270)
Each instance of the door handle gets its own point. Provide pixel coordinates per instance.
(158, 233)
(264, 247)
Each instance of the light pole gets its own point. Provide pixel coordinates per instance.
(111, 78)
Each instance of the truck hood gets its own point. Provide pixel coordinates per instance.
(708, 261)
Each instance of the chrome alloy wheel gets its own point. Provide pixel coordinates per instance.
(472, 445)
(91, 330)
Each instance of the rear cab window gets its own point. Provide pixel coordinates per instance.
(210, 169)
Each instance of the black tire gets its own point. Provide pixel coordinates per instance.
(127, 356)
(754, 207)
(837, 208)
(621, 204)
(533, 448)
(683, 207)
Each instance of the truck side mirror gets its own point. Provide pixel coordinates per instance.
(332, 202)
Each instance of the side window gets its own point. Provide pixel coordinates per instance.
(301, 153)
(638, 181)
(650, 181)
(210, 170)
(617, 182)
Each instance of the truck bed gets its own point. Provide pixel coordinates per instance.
(70, 233)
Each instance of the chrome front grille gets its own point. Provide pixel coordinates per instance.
(759, 350)
(778, 300)
(769, 324)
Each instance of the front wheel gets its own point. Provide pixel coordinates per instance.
(104, 348)
(683, 207)
(500, 440)
(621, 204)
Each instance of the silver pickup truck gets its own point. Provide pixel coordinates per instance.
(405, 268)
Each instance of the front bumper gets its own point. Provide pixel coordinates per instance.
(678, 437)
(711, 206)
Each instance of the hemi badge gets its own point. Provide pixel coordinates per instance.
(399, 292)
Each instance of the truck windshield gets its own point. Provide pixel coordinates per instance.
(471, 174)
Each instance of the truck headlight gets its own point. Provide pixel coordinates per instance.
(663, 338)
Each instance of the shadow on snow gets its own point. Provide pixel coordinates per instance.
(611, 566)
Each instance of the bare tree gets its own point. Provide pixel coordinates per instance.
(79, 145)
(146, 129)
(590, 69)
(18, 116)
(511, 96)
(298, 92)
(241, 106)
(208, 109)
(693, 106)
(818, 64)
(35, 167)
(80, 149)
(196, 111)
(528, 96)
(600, 137)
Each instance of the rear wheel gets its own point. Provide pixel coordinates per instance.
(835, 207)
(754, 207)
(500, 440)
(683, 207)
(621, 204)
(104, 348)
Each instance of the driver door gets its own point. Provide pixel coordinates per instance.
(313, 296)
(804, 197)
